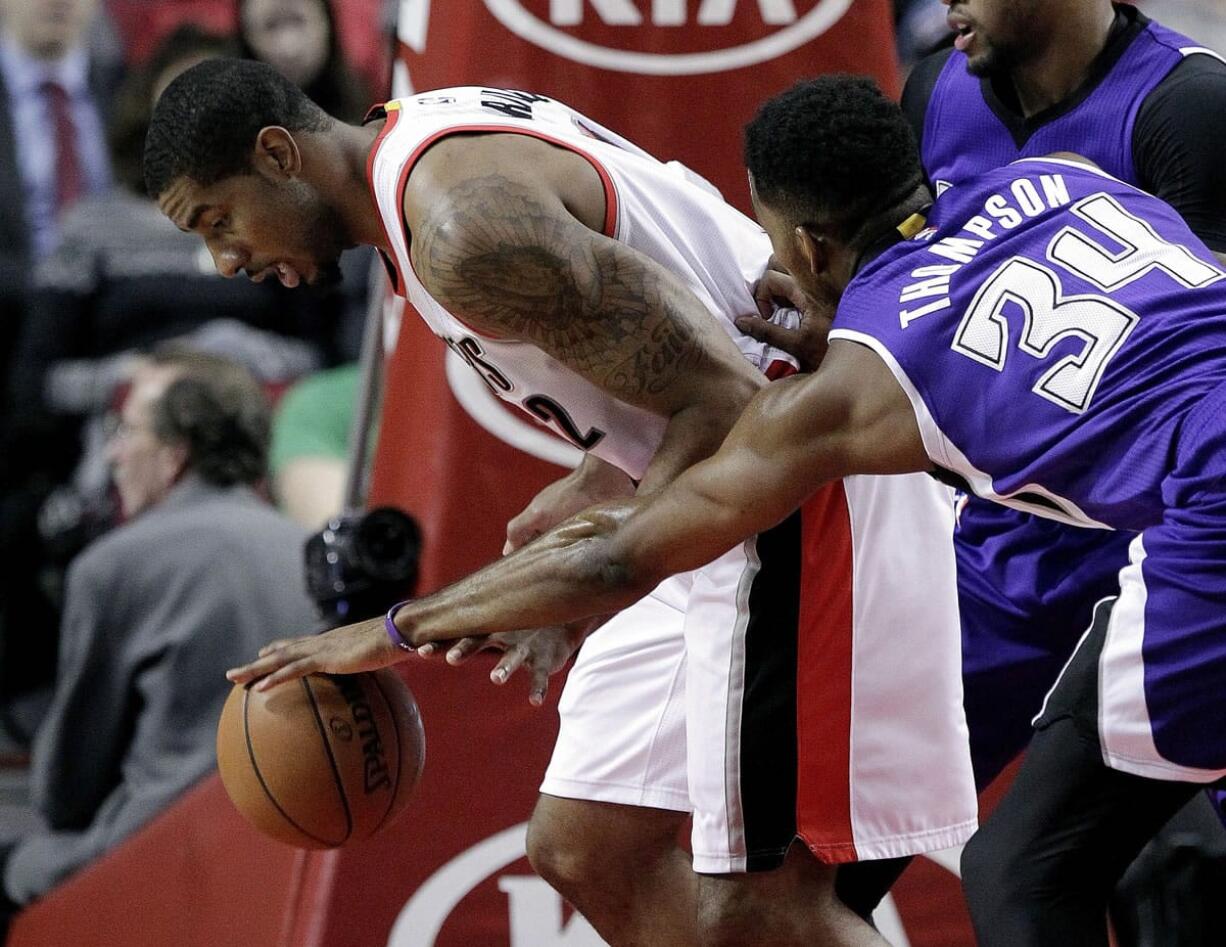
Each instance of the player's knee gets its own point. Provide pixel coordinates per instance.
(564, 859)
(766, 908)
(553, 855)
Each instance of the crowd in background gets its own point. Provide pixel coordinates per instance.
(94, 277)
(133, 376)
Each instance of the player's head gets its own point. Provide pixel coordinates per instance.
(188, 412)
(999, 35)
(826, 160)
(224, 159)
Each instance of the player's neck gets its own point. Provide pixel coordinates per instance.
(342, 169)
(885, 229)
(1064, 63)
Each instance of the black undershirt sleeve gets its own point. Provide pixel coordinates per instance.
(1179, 145)
(918, 91)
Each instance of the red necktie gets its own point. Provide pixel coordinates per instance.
(68, 175)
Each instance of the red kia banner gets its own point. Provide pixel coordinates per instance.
(678, 77)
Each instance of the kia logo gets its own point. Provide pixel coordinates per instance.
(534, 911)
(790, 31)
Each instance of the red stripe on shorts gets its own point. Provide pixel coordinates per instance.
(823, 677)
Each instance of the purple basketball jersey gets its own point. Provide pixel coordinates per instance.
(1053, 327)
(963, 136)
(1062, 338)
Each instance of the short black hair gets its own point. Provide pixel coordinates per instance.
(132, 107)
(205, 124)
(832, 148)
(218, 411)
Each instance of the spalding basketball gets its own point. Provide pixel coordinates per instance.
(322, 761)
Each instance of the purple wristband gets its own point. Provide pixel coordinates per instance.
(392, 631)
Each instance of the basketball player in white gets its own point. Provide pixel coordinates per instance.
(596, 287)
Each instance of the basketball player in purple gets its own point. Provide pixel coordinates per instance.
(1145, 104)
(1051, 338)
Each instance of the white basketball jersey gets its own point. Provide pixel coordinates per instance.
(662, 210)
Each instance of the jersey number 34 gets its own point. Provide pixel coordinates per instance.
(1049, 315)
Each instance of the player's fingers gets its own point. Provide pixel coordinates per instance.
(521, 531)
(781, 337)
(276, 646)
(540, 686)
(775, 287)
(508, 665)
(292, 671)
(258, 668)
(432, 648)
(465, 648)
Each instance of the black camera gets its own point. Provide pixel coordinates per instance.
(360, 564)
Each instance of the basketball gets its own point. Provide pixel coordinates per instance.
(322, 761)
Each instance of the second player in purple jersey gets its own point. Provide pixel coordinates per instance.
(1090, 326)
(1144, 111)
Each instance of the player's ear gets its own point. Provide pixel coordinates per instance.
(276, 155)
(813, 248)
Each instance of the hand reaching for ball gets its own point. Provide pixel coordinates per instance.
(363, 646)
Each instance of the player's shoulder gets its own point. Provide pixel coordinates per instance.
(1186, 105)
(1201, 71)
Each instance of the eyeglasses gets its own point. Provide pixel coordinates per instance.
(116, 428)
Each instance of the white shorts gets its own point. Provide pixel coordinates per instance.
(819, 665)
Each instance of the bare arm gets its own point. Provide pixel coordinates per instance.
(503, 236)
(849, 417)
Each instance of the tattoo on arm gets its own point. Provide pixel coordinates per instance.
(498, 256)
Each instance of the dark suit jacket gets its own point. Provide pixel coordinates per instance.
(14, 238)
(155, 612)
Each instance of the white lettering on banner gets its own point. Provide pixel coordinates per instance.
(666, 12)
(795, 31)
(719, 12)
(613, 12)
(535, 911)
(422, 918)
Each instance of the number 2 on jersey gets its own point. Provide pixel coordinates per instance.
(1049, 315)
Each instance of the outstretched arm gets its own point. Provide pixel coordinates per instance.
(850, 417)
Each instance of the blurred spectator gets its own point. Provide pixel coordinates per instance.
(52, 153)
(919, 28)
(309, 458)
(54, 147)
(298, 38)
(121, 280)
(202, 576)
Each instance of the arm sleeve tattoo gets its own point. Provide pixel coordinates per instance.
(500, 255)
